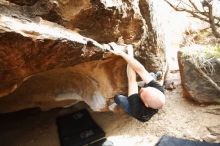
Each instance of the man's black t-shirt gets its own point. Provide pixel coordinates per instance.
(138, 109)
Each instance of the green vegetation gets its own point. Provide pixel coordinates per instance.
(201, 56)
(206, 52)
(212, 52)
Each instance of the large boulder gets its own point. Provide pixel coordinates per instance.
(200, 76)
(51, 52)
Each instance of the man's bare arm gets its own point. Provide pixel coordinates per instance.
(133, 63)
(131, 74)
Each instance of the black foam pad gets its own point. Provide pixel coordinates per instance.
(78, 129)
(172, 141)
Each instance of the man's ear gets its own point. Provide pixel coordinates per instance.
(144, 101)
(146, 104)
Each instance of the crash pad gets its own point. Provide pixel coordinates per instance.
(173, 141)
(78, 129)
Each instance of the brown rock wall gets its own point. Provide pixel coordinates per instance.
(51, 56)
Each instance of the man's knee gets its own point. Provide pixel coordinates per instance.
(122, 101)
(119, 98)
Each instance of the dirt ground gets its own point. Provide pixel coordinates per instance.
(180, 117)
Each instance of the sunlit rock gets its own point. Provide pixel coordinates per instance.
(51, 52)
(200, 77)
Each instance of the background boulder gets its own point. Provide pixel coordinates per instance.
(200, 83)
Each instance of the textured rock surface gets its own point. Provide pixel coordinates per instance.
(48, 56)
(197, 84)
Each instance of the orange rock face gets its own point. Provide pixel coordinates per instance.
(51, 53)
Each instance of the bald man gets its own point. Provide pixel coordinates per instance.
(144, 103)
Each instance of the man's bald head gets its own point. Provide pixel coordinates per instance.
(152, 97)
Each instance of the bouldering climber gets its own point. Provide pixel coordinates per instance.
(144, 103)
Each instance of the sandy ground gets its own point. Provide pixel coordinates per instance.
(180, 117)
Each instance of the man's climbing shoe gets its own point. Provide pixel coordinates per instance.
(157, 75)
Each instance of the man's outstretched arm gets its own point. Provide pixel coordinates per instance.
(131, 74)
(132, 62)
